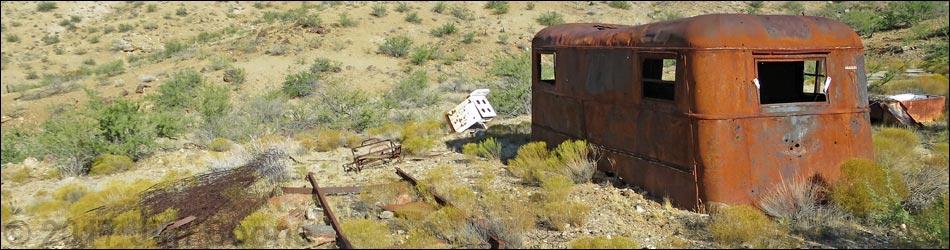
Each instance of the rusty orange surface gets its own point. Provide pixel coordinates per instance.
(715, 142)
(926, 110)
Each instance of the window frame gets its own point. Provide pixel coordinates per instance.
(820, 57)
(538, 66)
(642, 57)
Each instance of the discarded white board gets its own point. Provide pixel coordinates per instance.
(472, 113)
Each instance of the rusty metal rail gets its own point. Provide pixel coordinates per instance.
(344, 243)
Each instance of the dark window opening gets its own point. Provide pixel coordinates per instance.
(547, 67)
(791, 82)
(659, 78)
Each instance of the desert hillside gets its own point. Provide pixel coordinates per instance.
(120, 118)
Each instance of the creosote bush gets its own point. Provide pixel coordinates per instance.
(396, 46)
(489, 148)
(300, 84)
(124, 242)
(868, 190)
(253, 229)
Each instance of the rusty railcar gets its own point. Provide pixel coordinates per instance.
(708, 109)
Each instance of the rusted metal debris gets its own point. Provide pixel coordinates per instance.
(344, 243)
(707, 109)
(372, 152)
(906, 109)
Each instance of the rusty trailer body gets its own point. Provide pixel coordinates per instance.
(709, 109)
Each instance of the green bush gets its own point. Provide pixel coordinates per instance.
(234, 75)
(45, 6)
(469, 38)
(309, 21)
(462, 13)
(440, 7)
(499, 7)
(444, 30)
(219, 145)
(251, 232)
(736, 225)
(321, 65)
(109, 164)
(413, 18)
(180, 91)
(396, 46)
(346, 21)
(422, 54)
(402, 7)
(13, 38)
(931, 227)
(490, 149)
(214, 102)
(300, 84)
(168, 123)
(576, 156)
(14, 144)
(870, 191)
(48, 39)
(512, 96)
(342, 107)
(378, 10)
(550, 18)
(181, 11)
(172, 47)
(110, 69)
(411, 92)
(620, 4)
(367, 233)
(127, 223)
(793, 7)
(72, 140)
(601, 242)
(124, 128)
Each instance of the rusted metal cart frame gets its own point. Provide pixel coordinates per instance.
(709, 135)
(372, 152)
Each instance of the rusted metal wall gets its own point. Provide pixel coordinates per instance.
(714, 142)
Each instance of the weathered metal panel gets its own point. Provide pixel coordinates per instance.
(707, 31)
(926, 110)
(715, 142)
(560, 113)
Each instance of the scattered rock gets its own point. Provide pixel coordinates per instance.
(147, 78)
(314, 214)
(319, 233)
(386, 215)
(141, 88)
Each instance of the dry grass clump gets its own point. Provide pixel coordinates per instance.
(422, 239)
(389, 131)
(894, 145)
(574, 159)
(603, 242)
(419, 137)
(219, 145)
(869, 190)
(367, 233)
(737, 225)
(70, 193)
(931, 227)
(933, 84)
(124, 242)
(327, 139)
(109, 164)
(5, 214)
(797, 203)
(561, 215)
(452, 224)
(254, 229)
